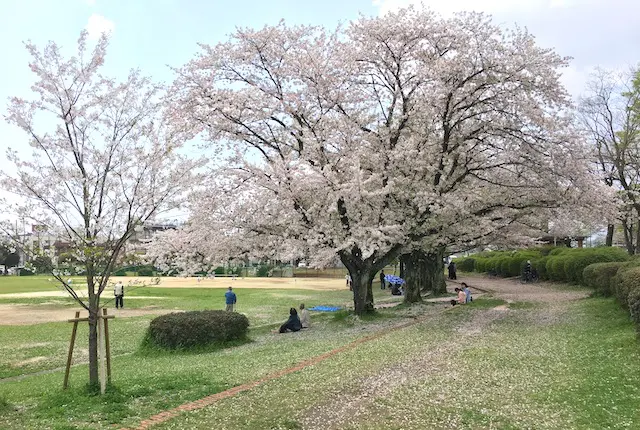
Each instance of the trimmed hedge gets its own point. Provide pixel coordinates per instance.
(599, 276)
(465, 264)
(621, 279)
(184, 330)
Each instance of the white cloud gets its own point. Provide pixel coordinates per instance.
(490, 6)
(91, 2)
(97, 25)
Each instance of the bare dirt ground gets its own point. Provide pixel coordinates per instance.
(224, 282)
(37, 314)
(512, 290)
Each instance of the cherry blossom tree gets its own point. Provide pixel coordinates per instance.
(610, 115)
(395, 134)
(101, 163)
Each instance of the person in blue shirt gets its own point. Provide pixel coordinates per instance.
(230, 299)
(467, 293)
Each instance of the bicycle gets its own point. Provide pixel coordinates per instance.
(529, 277)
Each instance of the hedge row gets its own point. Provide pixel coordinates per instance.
(621, 280)
(556, 264)
(609, 271)
(184, 330)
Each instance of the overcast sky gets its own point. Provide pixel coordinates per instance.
(153, 34)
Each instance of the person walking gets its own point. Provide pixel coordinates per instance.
(452, 270)
(118, 291)
(230, 299)
(382, 282)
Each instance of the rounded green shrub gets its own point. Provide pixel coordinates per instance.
(624, 282)
(634, 305)
(184, 330)
(600, 275)
(481, 265)
(540, 266)
(466, 264)
(555, 268)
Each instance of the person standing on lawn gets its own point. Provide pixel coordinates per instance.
(118, 291)
(230, 299)
(382, 283)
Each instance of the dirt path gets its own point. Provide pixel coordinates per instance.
(511, 290)
(38, 314)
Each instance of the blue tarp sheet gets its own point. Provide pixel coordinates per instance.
(325, 308)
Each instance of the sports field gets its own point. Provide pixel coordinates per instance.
(54, 304)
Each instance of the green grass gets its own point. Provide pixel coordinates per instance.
(27, 284)
(576, 373)
(568, 365)
(486, 303)
(33, 348)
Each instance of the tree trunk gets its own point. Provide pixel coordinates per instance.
(94, 379)
(636, 249)
(362, 272)
(414, 275)
(434, 267)
(94, 308)
(628, 236)
(610, 230)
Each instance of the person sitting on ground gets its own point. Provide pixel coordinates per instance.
(467, 292)
(293, 323)
(462, 297)
(395, 290)
(304, 316)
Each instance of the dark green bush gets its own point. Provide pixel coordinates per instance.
(146, 271)
(185, 330)
(263, 271)
(466, 264)
(540, 266)
(25, 272)
(626, 280)
(578, 259)
(600, 275)
(555, 267)
(634, 305)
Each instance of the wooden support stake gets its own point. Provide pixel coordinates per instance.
(101, 354)
(70, 356)
(106, 341)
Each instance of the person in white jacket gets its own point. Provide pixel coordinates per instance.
(118, 291)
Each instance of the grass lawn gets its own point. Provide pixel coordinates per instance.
(32, 348)
(27, 284)
(488, 365)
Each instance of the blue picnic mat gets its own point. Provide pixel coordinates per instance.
(325, 308)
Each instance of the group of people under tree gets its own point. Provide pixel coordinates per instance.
(463, 295)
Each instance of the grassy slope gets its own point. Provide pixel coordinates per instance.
(581, 371)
